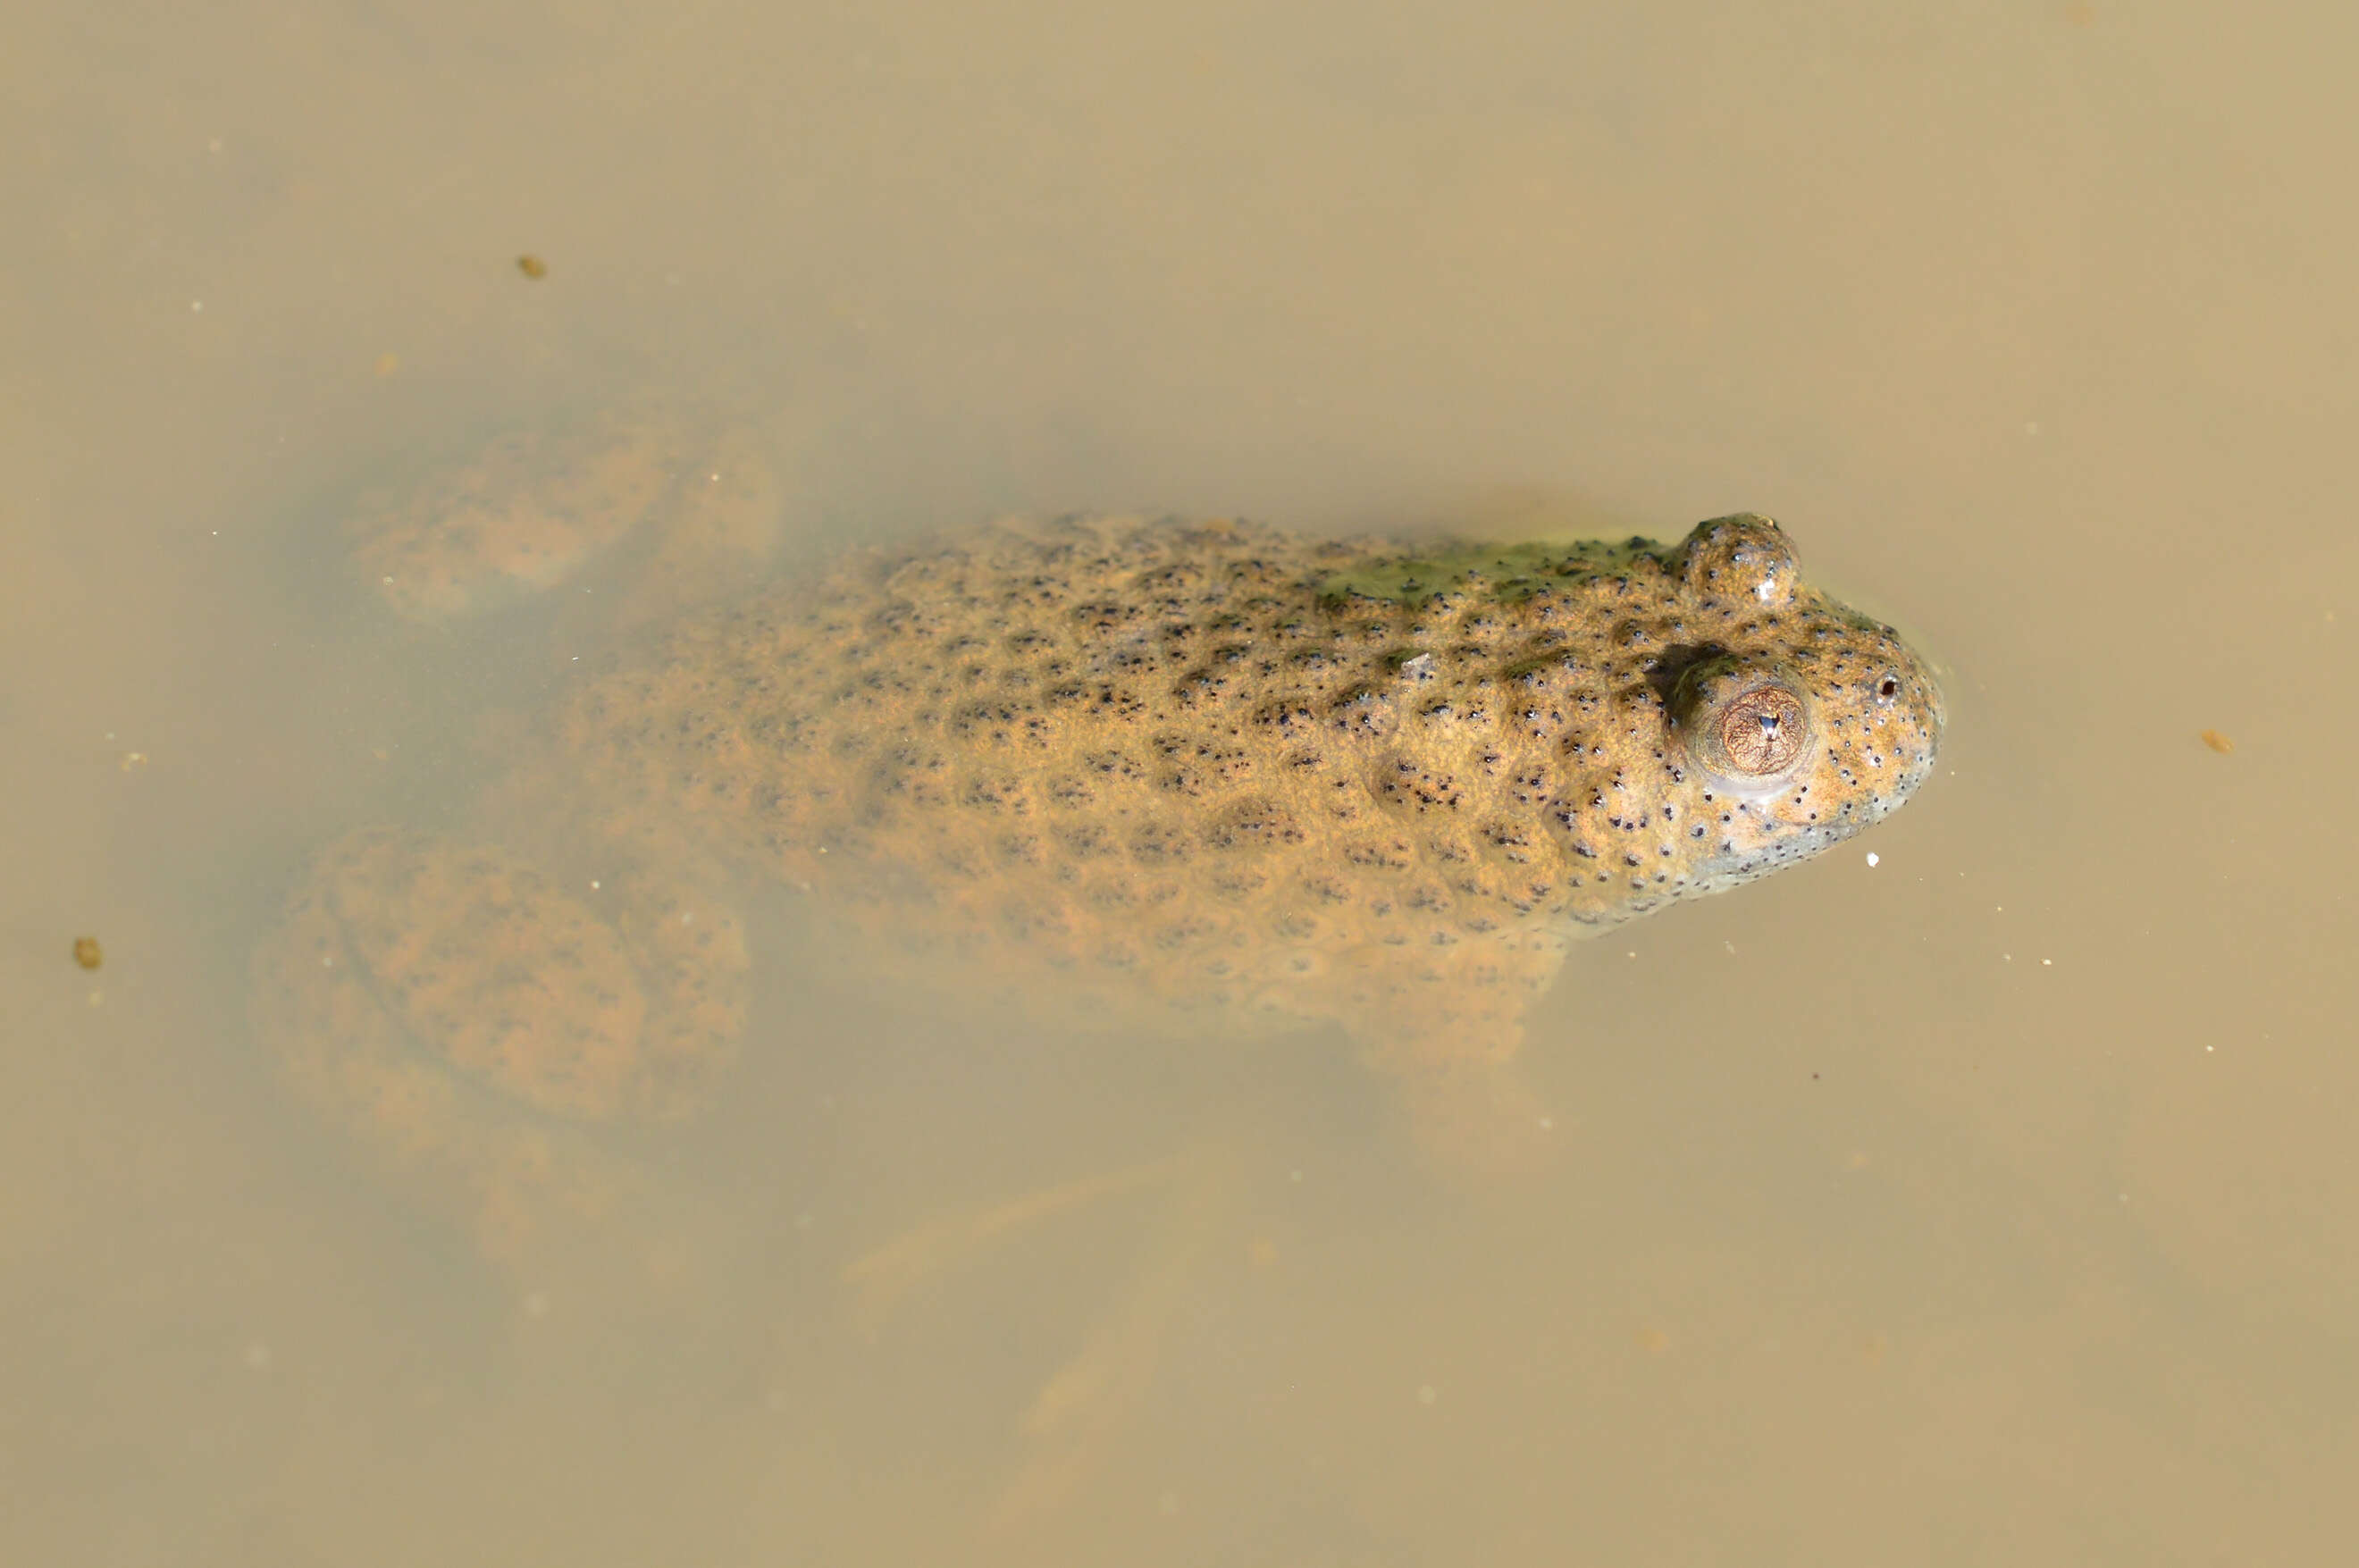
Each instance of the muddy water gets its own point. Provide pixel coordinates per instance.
(1990, 1201)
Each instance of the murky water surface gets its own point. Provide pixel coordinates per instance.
(1987, 1197)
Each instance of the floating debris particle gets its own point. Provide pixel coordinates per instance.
(86, 952)
(2218, 742)
(532, 267)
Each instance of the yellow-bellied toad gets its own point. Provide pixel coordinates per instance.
(1211, 767)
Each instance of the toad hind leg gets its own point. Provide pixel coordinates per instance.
(1076, 1415)
(477, 1025)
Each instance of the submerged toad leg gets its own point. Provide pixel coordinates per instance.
(1078, 1412)
(1477, 1122)
(727, 522)
(478, 1026)
(1446, 1026)
(658, 509)
(882, 1276)
(1076, 1415)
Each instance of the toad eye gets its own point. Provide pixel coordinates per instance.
(1744, 557)
(1885, 688)
(1745, 723)
(1762, 732)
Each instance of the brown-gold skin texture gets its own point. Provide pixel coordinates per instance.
(1204, 773)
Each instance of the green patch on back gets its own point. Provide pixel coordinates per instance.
(1503, 573)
